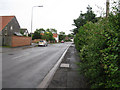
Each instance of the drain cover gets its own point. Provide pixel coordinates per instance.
(10, 54)
(64, 65)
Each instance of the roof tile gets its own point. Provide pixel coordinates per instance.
(4, 20)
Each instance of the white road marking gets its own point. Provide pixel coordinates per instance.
(64, 65)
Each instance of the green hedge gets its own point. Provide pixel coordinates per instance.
(99, 49)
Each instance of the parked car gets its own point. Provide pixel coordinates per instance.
(43, 43)
(62, 41)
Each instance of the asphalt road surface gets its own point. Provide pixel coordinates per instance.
(27, 68)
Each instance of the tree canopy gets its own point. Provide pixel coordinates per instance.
(47, 34)
(84, 18)
(62, 35)
(37, 33)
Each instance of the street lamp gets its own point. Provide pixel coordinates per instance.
(32, 20)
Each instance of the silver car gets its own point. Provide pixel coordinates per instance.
(43, 43)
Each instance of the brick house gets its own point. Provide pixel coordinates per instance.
(8, 27)
(10, 32)
(55, 35)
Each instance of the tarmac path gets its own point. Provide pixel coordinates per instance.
(67, 75)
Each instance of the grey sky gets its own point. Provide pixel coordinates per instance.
(58, 14)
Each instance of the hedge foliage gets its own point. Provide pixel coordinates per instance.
(99, 49)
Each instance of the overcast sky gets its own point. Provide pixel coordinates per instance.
(58, 14)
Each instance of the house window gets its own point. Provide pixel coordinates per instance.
(11, 28)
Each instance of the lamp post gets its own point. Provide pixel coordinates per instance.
(32, 20)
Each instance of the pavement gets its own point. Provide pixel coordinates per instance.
(67, 75)
(9, 49)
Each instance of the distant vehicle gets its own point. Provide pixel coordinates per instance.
(62, 41)
(43, 43)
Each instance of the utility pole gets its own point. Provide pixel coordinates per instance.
(107, 8)
(119, 6)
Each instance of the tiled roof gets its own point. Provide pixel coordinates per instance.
(55, 35)
(4, 20)
(41, 33)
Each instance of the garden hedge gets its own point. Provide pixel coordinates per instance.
(98, 45)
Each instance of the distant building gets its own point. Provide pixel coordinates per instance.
(66, 38)
(24, 31)
(55, 35)
(41, 33)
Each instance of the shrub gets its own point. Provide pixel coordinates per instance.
(69, 40)
(99, 49)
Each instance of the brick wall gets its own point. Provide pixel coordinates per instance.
(20, 41)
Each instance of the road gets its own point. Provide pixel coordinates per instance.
(27, 68)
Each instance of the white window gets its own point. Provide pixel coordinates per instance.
(11, 28)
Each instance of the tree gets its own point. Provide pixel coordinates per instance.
(54, 30)
(90, 16)
(51, 30)
(37, 33)
(62, 33)
(29, 35)
(21, 31)
(84, 18)
(48, 36)
(62, 36)
(70, 35)
(41, 30)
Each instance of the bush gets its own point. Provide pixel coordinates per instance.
(99, 49)
(69, 40)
